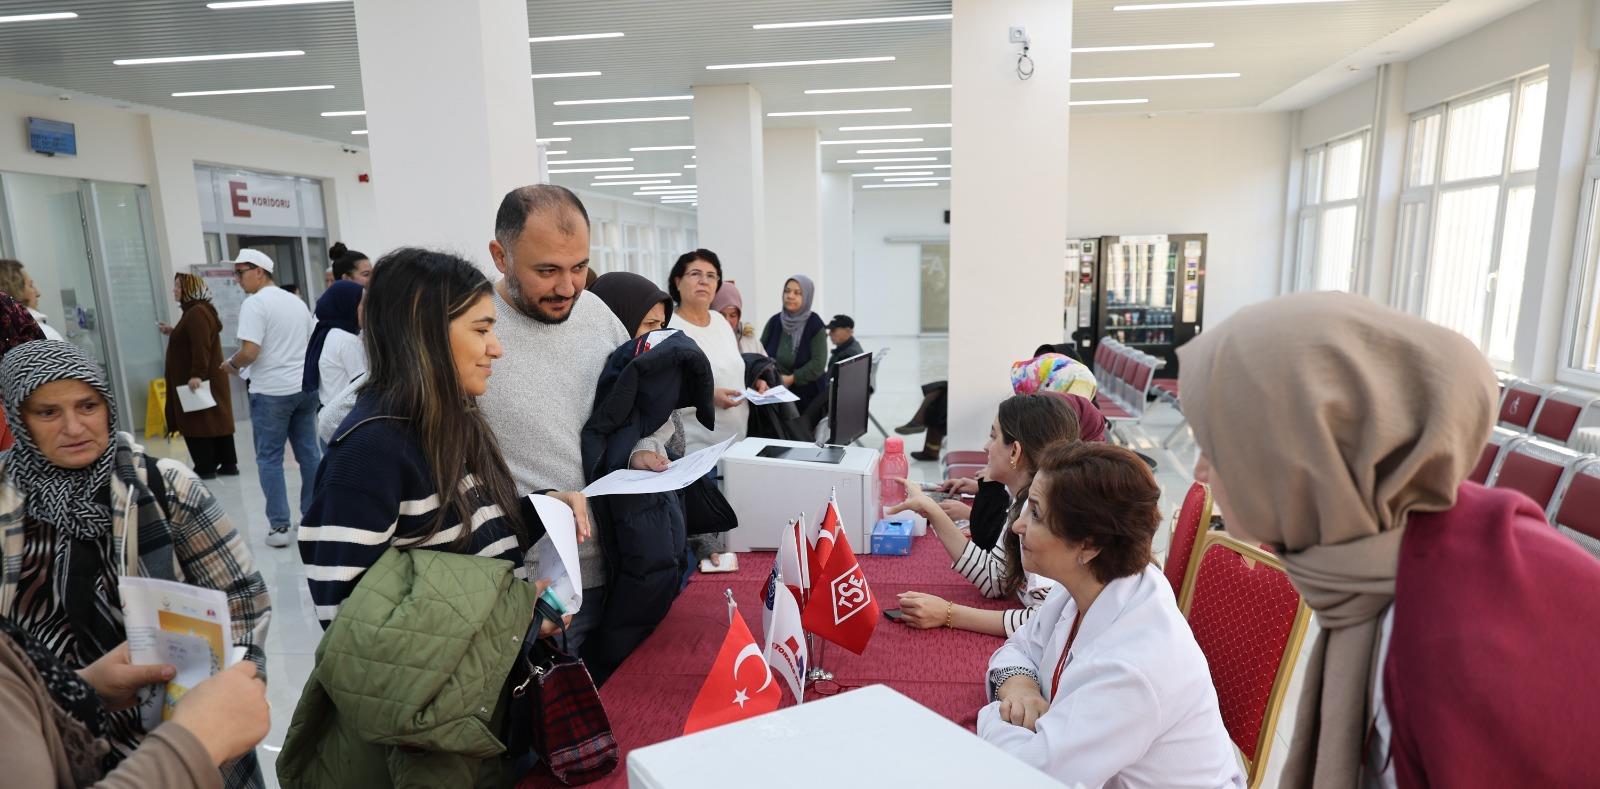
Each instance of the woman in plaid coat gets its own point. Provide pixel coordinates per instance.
(82, 505)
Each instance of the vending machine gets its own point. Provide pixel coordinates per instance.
(1151, 293)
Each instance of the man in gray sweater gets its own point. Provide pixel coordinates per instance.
(556, 344)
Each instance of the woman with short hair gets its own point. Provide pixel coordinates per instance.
(1106, 686)
(693, 284)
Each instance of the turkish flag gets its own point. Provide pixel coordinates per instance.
(841, 607)
(827, 536)
(729, 695)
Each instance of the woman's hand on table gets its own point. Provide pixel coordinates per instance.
(959, 486)
(580, 509)
(957, 511)
(1021, 703)
(924, 611)
(726, 398)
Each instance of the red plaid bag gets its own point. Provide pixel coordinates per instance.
(571, 733)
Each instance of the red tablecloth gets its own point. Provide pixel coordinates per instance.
(649, 696)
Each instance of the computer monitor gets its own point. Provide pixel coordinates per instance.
(849, 391)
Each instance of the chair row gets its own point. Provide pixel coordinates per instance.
(1247, 618)
(1554, 413)
(1125, 377)
(1562, 481)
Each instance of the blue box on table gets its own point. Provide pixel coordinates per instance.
(892, 536)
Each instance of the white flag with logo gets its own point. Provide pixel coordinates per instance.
(786, 641)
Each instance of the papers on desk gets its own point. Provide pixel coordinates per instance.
(682, 473)
(773, 396)
(557, 552)
(192, 400)
(170, 622)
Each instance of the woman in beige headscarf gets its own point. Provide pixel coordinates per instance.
(1340, 433)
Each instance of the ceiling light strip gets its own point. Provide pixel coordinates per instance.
(875, 20)
(612, 160)
(573, 37)
(359, 131)
(887, 175)
(592, 170)
(560, 74)
(627, 183)
(639, 175)
(596, 121)
(553, 139)
(891, 159)
(266, 3)
(884, 89)
(1154, 78)
(885, 141)
(874, 111)
(290, 89)
(1101, 102)
(921, 179)
(911, 167)
(1141, 48)
(576, 102)
(662, 148)
(45, 17)
(895, 186)
(896, 126)
(780, 63)
(286, 53)
(343, 113)
(555, 153)
(902, 150)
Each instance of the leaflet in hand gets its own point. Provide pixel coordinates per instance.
(773, 395)
(681, 474)
(186, 626)
(557, 553)
(192, 400)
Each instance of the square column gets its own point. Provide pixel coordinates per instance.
(1008, 200)
(732, 217)
(839, 249)
(793, 174)
(449, 135)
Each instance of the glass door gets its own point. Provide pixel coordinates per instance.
(935, 288)
(46, 220)
(118, 221)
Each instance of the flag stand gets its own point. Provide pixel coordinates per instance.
(816, 673)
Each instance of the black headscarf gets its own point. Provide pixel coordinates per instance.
(630, 296)
(336, 309)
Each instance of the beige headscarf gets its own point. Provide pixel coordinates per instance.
(1330, 418)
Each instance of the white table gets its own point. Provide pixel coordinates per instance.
(872, 737)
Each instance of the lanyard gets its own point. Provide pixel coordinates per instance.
(1055, 682)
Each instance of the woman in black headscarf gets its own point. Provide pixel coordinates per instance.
(73, 494)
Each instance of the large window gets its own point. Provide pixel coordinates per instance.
(1582, 359)
(1331, 214)
(1467, 210)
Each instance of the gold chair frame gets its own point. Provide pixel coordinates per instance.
(1206, 509)
(1255, 770)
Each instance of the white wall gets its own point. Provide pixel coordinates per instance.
(838, 245)
(1337, 115)
(888, 278)
(159, 149)
(1513, 45)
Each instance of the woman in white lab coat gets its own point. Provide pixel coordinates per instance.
(1105, 686)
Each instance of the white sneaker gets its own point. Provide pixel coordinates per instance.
(282, 536)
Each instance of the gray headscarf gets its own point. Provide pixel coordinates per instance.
(794, 323)
(63, 497)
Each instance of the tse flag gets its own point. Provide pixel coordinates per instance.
(840, 607)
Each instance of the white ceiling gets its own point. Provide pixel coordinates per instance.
(667, 45)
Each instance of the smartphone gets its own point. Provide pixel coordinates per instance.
(893, 614)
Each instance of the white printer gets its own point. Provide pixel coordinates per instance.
(770, 482)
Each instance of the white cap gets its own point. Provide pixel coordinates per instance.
(254, 257)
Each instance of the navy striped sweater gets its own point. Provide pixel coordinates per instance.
(374, 490)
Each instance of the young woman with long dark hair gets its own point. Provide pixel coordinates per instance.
(414, 465)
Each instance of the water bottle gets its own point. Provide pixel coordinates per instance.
(892, 467)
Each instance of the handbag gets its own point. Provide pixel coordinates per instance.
(571, 734)
(706, 510)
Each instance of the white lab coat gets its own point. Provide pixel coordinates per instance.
(1137, 708)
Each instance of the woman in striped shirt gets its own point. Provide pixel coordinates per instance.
(1025, 425)
(415, 431)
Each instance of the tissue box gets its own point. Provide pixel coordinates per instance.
(892, 537)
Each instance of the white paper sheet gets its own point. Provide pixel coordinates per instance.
(196, 400)
(557, 551)
(773, 395)
(170, 622)
(682, 473)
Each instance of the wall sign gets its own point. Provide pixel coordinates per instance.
(52, 138)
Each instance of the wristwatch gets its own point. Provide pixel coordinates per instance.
(998, 677)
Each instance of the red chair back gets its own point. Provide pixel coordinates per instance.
(1521, 400)
(1249, 621)
(1193, 519)
(1578, 514)
(1480, 472)
(1534, 469)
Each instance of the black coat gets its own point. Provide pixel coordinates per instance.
(778, 420)
(643, 535)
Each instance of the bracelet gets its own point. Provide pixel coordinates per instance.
(950, 614)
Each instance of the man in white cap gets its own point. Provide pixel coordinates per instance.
(274, 328)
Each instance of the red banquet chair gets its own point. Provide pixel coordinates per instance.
(1536, 469)
(1250, 623)
(1560, 413)
(1519, 405)
(1499, 440)
(1192, 520)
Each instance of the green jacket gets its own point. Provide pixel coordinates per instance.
(408, 678)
